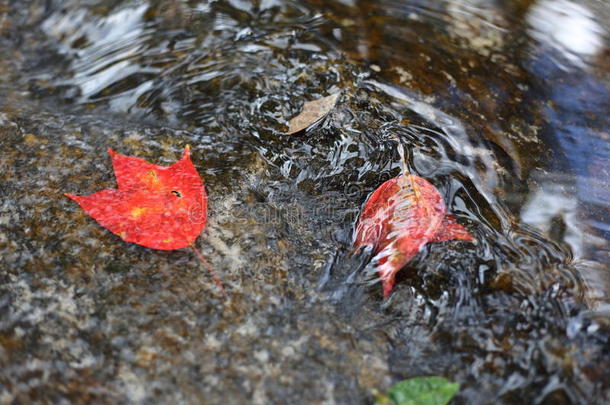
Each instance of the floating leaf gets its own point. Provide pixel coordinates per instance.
(313, 111)
(398, 219)
(423, 391)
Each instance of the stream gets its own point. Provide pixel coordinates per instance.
(502, 105)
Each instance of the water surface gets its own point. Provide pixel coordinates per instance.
(499, 105)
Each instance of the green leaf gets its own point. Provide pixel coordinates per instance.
(423, 391)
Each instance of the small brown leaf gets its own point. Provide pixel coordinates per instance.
(313, 111)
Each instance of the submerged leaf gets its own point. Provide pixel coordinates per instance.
(313, 111)
(398, 219)
(154, 206)
(423, 391)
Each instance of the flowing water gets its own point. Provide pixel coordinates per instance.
(503, 106)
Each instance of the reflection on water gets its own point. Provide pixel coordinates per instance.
(568, 27)
(102, 53)
(569, 48)
(499, 105)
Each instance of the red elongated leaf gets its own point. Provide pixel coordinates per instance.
(398, 219)
(160, 207)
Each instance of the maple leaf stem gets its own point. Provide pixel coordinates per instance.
(217, 279)
(403, 159)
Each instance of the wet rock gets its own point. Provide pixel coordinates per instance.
(85, 317)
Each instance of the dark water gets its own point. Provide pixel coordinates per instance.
(503, 106)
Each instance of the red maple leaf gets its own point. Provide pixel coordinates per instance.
(399, 218)
(154, 206)
(160, 207)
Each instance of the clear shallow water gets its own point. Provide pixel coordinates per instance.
(496, 107)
